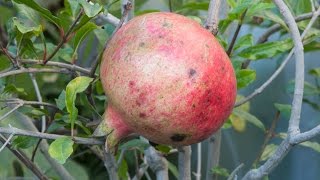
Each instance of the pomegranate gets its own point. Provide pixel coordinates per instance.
(167, 79)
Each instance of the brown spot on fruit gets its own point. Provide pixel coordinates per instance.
(142, 44)
(178, 137)
(142, 115)
(192, 72)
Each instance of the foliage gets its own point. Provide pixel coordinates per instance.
(69, 34)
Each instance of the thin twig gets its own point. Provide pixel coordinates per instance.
(213, 16)
(184, 162)
(39, 97)
(122, 20)
(79, 140)
(102, 19)
(110, 163)
(71, 67)
(65, 37)
(293, 128)
(170, 5)
(11, 111)
(44, 146)
(24, 159)
(141, 171)
(213, 155)
(33, 70)
(234, 172)
(235, 36)
(23, 102)
(4, 144)
(199, 158)
(267, 138)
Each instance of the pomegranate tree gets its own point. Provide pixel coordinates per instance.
(167, 79)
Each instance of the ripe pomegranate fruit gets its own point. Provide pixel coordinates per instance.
(167, 79)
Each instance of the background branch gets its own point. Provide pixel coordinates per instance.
(79, 140)
(24, 159)
(184, 163)
(33, 70)
(213, 16)
(293, 128)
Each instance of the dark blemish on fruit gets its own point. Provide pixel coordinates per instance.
(142, 44)
(193, 106)
(178, 137)
(192, 72)
(207, 45)
(142, 115)
(166, 24)
(160, 36)
(131, 83)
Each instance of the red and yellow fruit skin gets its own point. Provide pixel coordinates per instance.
(168, 79)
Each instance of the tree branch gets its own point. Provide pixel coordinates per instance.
(33, 70)
(65, 37)
(39, 97)
(157, 163)
(293, 128)
(184, 162)
(79, 140)
(233, 175)
(102, 19)
(213, 16)
(24, 159)
(71, 67)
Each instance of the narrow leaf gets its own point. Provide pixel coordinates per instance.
(90, 9)
(244, 41)
(245, 77)
(61, 101)
(266, 50)
(249, 117)
(285, 109)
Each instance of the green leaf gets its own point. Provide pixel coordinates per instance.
(44, 12)
(315, 72)
(77, 85)
(24, 142)
(236, 12)
(313, 145)
(259, 7)
(61, 101)
(311, 36)
(61, 148)
(194, 6)
(266, 50)
(285, 109)
(268, 151)
(173, 169)
(12, 89)
(135, 143)
(82, 33)
(309, 89)
(220, 171)
(272, 17)
(245, 77)
(163, 148)
(32, 112)
(123, 169)
(232, 3)
(23, 28)
(91, 9)
(249, 117)
(73, 6)
(244, 41)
